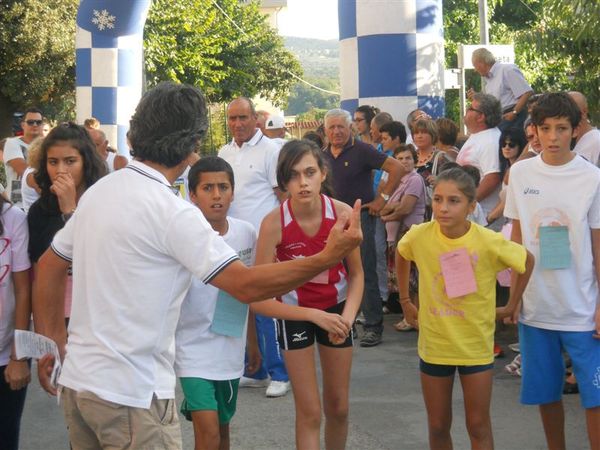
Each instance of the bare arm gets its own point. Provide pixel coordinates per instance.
(18, 165)
(250, 284)
(487, 185)
(395, 173)
(518, 284)
(397, 210)
(408, 308)
(17, 373)
(252, 349)
(49, 309)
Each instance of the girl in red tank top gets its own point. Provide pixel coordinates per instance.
(297, 229)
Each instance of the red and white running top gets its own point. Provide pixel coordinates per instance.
(329, 287)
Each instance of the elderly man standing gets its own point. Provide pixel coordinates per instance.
(253, 157)
(352, 163)
(506, 82)
(481, 150)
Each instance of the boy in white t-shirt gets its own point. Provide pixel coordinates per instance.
(211, 333)
(554, 201)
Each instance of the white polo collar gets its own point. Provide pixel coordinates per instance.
(254, 140)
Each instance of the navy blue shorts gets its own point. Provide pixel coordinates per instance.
(443, 370)
(295, 335)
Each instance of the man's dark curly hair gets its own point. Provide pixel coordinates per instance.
(168, 124)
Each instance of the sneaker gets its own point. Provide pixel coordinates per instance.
(385, 309)
(515, 347)
(247, 382)
(370, 339)
(278, 388)
(498, 352)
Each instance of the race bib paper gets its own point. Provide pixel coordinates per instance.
(459, 277)
(230, 316)
(555, 250)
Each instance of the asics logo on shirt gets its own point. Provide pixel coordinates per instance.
(531, 191)
(297, 337)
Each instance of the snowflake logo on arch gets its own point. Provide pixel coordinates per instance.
(103, 19)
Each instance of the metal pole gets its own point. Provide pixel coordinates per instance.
(462, 95)
(484, 34)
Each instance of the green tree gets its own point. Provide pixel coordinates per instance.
(303, 98)
(192, 41)
(554, 43)
(37, 57)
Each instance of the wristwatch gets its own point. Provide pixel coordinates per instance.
(386, 197)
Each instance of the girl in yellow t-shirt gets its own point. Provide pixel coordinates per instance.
(458, 262)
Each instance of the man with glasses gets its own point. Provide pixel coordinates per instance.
(481, 149)
(15, 153)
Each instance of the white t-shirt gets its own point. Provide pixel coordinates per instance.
(255, 168)
(201, 352)
(14, 148)
(133, 260)
(481, 151)
(589, 146)
(569, 195)
(13, 258)
(29, 195)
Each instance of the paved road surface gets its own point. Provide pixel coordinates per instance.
(386, 413)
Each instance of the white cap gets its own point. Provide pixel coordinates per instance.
(275, 123)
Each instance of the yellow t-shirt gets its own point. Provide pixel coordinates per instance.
(458, 331)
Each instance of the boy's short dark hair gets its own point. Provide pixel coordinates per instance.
(209, 164)
(555, 104)
(395, 129)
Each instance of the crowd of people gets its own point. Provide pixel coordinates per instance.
(276, 244)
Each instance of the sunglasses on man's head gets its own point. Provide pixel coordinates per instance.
(32, 122)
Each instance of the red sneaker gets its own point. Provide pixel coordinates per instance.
(498, 352)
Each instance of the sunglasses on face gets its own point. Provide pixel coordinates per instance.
(509, 144)
(32, 122)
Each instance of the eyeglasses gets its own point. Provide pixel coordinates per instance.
(509, 144)
(470, 108)
(32, 122)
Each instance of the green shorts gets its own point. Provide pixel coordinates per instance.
(209, 395)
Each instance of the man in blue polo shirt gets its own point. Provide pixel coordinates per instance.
(352, 163)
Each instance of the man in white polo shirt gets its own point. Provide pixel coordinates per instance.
(133, 258)
(481, 150)
(253, 157)
(588, 136)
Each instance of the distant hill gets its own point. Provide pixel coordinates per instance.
(319, 58)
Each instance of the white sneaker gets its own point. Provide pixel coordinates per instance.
(253, 383)
(278, 388)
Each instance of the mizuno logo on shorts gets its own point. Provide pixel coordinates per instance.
(297, 337)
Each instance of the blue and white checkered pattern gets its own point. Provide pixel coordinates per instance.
(109, 64)
(392, 55)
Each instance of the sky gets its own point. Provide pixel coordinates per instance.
(309, 18)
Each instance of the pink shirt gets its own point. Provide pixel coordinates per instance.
(410, 184)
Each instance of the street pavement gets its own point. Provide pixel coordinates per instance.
(386, 408)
